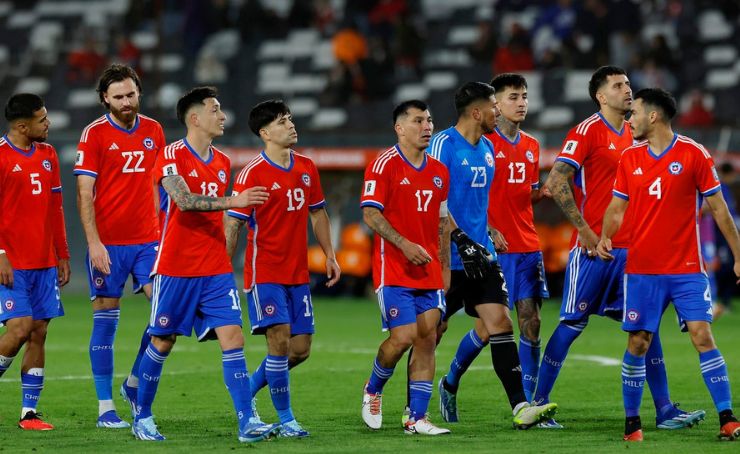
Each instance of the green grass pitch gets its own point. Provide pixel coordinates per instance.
(195, 414)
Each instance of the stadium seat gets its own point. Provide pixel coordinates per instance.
(721, 78)
(555, 117)
(329, 118)
(303, 107)
(720, 55)
(168, 94)
(323, 56)
(82, 97)
(462, 36)
(576, 83)
(59, 119)
(355, 237)
(441, 80)
(145, 40)
(411, 91)
(38, 85)
(354, 263)
(713, 26)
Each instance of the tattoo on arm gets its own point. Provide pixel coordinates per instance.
(178, 189)
(560, 175)
(444, 241)
(380, 225)
(232, 226)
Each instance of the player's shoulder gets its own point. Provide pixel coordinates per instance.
(486, 143)
(148, 121)
(635, 149)
(586, 127)
(692, 146)
(96, 126)
(381, 163)
(171, 151)
(528, 139)
(439, 142)
(45, 147)
(220, 155)
(303, 160)
(241, 177)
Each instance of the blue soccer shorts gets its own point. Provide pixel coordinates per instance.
(35, 293)
(136, 260)
(647, 296)
(278, 304)
(401, 305)
(593, 286)
(524, 274)
(181, 305)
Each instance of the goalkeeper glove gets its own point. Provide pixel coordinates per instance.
(475, 258)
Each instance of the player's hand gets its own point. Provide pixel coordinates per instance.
(736, 269)
(475, 258)
(256, 195)
(332, 271)
(604, 249)
(415, 253)
(545, 192)
(499, 242)
(588, 240)
(99, 257)
(63, 272)
(6, 271)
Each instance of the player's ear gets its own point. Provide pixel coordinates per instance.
(264, 134)
(398, 128)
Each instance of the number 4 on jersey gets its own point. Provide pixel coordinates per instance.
(656, 189)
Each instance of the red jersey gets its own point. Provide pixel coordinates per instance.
(277, 238)
(32, 221)
(410, 199)
(193, 242)
(121, 162)
(665, 194)
(594, 148)
(510, 201)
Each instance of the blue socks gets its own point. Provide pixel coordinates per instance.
(145, 339)
(714, 371)
(276, 372)
(656, 376)
(150, 371)
(633, 383)
(32, 383)
(529, 358)
(378, 378)
(258, 380)
(420, 393)
(553, 358)
(5, 362)
(469, 349)
(105, 323)
(237, 382)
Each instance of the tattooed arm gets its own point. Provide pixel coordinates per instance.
(232, 226)
(380, 225)
(444, 250)
(178, 189)
(558, 185)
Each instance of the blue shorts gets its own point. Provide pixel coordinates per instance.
(278, 304)
(181, 305)
(524, 274)
(647, 297)
(593, 286)
(134, 259)
(35, 293)
(401, 305)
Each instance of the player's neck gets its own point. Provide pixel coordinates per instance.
(508, 128)
(200, 143)
(278, 155)
(613, 117)
(19, 140)
(412, 154)
(660, 139)
(121, 123)
(471, 131)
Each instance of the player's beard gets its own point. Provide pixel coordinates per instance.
(126, 117)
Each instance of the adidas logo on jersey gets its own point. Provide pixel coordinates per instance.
(500, 155)
(113, 146)
(17, 168)
(405, 181)
(638, 171)
(611, 146)
(464, 162)
(275, 186)
(193, 174)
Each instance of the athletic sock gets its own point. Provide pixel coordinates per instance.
(379, 377)
(150, 371)
(529, 357)
(421, 393)
(554, 357)
(506, 364)
(633, 383)
(278, 380)
(714, 371)
(469, 348)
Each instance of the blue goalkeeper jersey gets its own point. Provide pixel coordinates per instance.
(471, 173)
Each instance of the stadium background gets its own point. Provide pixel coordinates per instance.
(341, 65)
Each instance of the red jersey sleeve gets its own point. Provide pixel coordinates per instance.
(621, 188)
(535, 176)
(243, 181)
(88, 159)
(705, 175)
(165, 165)
(59, 229)
(575, 148)
(375, 187)
(316, 197)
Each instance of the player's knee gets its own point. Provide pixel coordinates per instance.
(38, 332)
(530, 326)
(639, 342)
(702, 339)
(297, 357)
(19, 330)
(164, 344)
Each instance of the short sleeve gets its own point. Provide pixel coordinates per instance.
(705, 175)
(621, 187)
(56, 182)
(244, 180)
(535, 176)
(316, 198)
(87, 160)
(375, 186)
(574, 149)
(166, 165)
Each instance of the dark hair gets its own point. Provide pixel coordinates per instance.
(508, 80)
(265, 113)
(403, 108)
(22, 106)
(659, 98)
(115, 73)
(471, 92)
(598, 79)
(193, 97)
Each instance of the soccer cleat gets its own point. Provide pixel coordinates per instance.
(33, 421)
(550, 424)
(372, 409)
(730, 431)
(256, 430)
(530, 415)
(447, 402)
(110, 420)
(129, 396)
(146, 429)
(292, 430)
(254, 409)
(424, 427)
(675, 418)
(405, 416)
(634, 436)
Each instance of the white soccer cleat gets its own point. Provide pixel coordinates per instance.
(423, 427)
(372, 409)
(528, 415)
